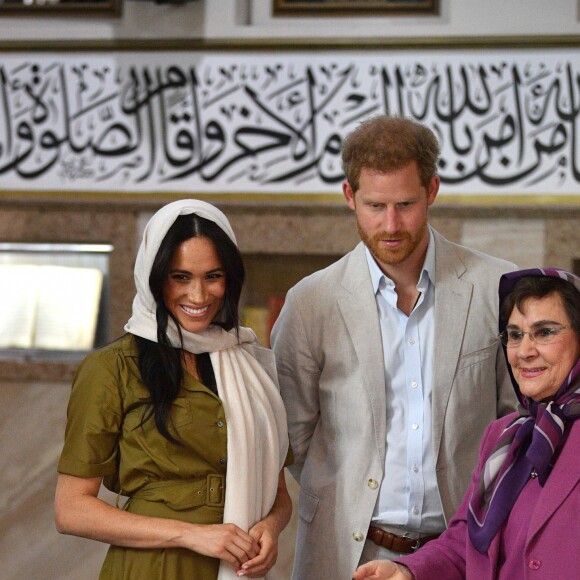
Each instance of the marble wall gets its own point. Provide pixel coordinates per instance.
(34, 392)
(32, 417)
(32, 421)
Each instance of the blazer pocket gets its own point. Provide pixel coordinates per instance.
(307, 504)
(477, 356)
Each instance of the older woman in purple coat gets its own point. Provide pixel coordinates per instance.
(520, 518)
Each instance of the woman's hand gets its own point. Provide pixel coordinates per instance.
(266, 535)
(80, 512)
(381, 570)
(223, 541)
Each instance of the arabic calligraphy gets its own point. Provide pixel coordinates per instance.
(275, 122)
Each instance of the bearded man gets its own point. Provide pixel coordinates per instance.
(385, 361)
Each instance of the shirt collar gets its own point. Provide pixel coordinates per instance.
(427, 272)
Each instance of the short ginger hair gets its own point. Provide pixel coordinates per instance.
(384, 144)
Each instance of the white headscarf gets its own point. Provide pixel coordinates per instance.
(143, 322)
(245, 376)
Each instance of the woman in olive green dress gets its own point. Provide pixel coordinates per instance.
(182, 415)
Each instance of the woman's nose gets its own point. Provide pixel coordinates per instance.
(197, 293)
(527, 347)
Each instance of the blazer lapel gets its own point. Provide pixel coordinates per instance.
(358, 307)
(452, 299)
(561, 482)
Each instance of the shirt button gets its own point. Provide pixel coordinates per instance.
(416, 510)
(415, 426)
(415, 469)
(414, 384)
(358, 536)
(222, 461)
(220, 424)
(411, 341)
(534, 564)
(373, 483)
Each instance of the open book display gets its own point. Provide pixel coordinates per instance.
(49, 307)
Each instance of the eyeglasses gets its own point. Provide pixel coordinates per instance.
(543, 335)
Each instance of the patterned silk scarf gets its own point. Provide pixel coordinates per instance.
(527, 444)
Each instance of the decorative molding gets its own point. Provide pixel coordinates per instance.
(309, 8)
(269, 122)
(54, 8)
(295, 44)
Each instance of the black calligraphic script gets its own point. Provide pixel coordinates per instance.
(507, 120)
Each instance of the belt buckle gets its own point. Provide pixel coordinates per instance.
(215, 495)
(416, 542)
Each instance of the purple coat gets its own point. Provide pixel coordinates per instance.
(552, 546)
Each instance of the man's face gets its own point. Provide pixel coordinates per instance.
(391, 214)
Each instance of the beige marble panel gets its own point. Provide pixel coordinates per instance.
(450, 227)
(562, 243)
(32, 420)
(32, 413)
(329, 232)
(519, 241)
(308, 229)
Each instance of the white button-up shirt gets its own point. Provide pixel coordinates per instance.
(408, 495)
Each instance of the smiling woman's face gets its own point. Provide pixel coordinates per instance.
(196, 284)
(541, 369)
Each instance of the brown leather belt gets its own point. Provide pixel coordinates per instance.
(397, 543)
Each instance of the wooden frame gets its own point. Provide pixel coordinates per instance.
(61, 8)
(354, 7)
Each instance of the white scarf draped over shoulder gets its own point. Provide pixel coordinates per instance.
(257, 441)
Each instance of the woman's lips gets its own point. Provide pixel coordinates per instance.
(532, 372)
(194, 311)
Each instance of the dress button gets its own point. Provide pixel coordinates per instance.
(373, 483)
(220, 424)
(358, 536)
(534, 564)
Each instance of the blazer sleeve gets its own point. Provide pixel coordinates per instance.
(298, 375)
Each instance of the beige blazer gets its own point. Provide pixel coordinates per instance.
(329, 355)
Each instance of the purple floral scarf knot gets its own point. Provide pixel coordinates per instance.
(528, 443)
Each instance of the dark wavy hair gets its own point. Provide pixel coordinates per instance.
(160, 363)
(536, 287)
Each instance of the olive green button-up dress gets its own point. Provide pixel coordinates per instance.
(104, 438)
